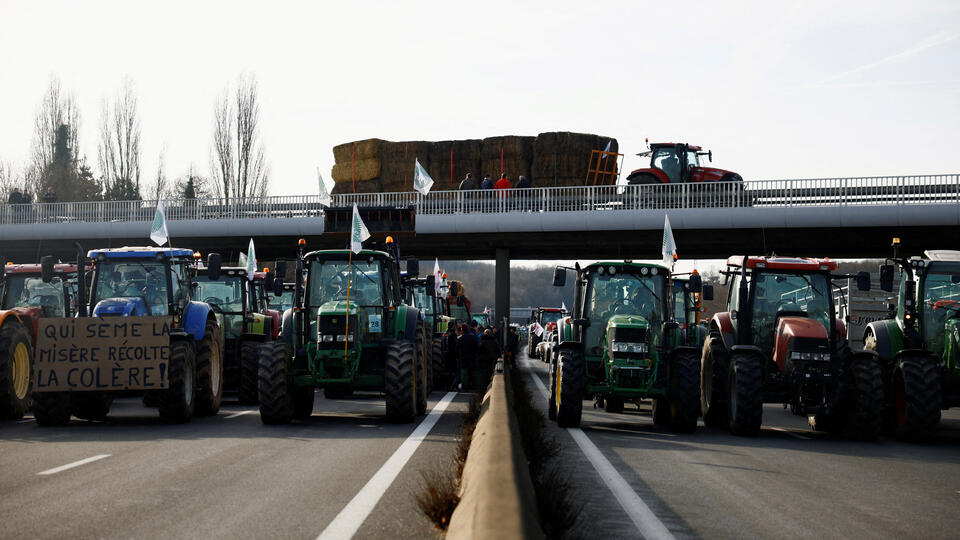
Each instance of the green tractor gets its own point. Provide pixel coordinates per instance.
(622, 343)
(687, 310)
(349, 329)
(421, 292)
(919, 348)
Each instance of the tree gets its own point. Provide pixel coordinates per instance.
(191, 185)
(70, 177)
(9, 179)
(56, 110)
(238, 163)
(159, 189)
(119, 150)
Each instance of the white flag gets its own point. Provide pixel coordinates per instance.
(158, 231)
(669, 246)
(437, 276)
(242, 260)
(251, 261)
(537, 329)
(563, 305)
(607, 149)
(421, 180)
(358, 231)
(326, 189)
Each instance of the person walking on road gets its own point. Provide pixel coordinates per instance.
(489, 353)
(467, 348)
(450, 365)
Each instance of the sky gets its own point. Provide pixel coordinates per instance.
(774, 89)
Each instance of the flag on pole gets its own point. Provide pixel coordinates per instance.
(537, 329)
(251, 261)
(563, 305)
(607, 149)
(326, 189)
(669, 246)
(421, 180)
(437, 276)
(158, 231)
(358, 231)
(243, 260)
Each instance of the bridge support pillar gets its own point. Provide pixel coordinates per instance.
(502, 275)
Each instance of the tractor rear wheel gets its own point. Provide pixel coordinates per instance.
(303, 402)
(274, 387)
(420, 355)
(863, 416)
(437, 357)
(176, 403)
(745, 408)
(570, 375)
(249, 372)
(713, 372)
(916, 398)
(685, 392)
(16, 370)
(552, 405)
(51, 408)
(399, 383)
(91, 405)
(209, 371)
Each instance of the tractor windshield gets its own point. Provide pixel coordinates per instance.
(784, 293)
(133, 279)
(226, 292)
(31, 291)
(547, 317)
(329, 282)
(679, 303)
(665, 158)
(423, 301)
(625, 292)
(941, 301)
(283, 302)
(693, 160)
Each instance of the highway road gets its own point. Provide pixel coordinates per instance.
(226, 476)
(789, 482)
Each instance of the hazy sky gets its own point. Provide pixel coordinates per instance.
(775, 89)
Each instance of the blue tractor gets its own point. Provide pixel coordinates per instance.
(181, 373)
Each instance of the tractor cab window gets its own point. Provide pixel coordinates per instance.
(940, 302)
(693, 160)
(620, 293)
(24, 291)
(329, 280)
(225, 293)
(423, 301)
(133, 279)
(679, 303)
(548, 317)
(777, 294)
(666, 159)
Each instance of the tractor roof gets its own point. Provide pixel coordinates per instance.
(332, 253)
(35, 269)
(942, 255)
(551, 309)
(127, 252)
(784, 263)
(627, 264)
(688, 146)
(230, 271)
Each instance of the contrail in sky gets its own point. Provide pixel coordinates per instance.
(937, 39)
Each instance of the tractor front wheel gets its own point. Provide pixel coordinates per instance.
(437, 358)
(552, 405)
(916, 398)
(249, 371)
(275, 389)
(399, 382)
(420, 354)
(713, 395)
(685, 390)
(176, 403)
(864, 408)
(51, 408)
(746, 394)
(569, 388)
(16, 370)
(209, 371)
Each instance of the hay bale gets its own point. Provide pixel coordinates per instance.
(517, 154)
(396, 163)
(365, 149)
(359, 170)
(563, 157)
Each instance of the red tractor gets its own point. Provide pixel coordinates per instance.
(674, 163)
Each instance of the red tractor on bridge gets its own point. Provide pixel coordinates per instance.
(674, 163)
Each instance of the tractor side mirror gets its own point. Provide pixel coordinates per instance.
(213, 266)
(707, 293)
(886, 277)
(280, 269)
(863, 281)
(559, 277)
(46, 268)
(431, 285)
(413, 267)
(695, 283)
(710, 155)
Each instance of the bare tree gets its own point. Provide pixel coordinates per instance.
(9, 179)
(57, 109)
(161, 186)
(239, 165)
(119, 150)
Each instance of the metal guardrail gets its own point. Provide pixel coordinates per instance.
(859, 191)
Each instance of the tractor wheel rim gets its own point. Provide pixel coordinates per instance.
(188, 385)
(215, 369)
(557, 387)
(708, 382)
(21, 371)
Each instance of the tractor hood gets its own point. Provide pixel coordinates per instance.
(800, 334)
(628, 329)
(709, 174)
(337, 307)
(121, 307)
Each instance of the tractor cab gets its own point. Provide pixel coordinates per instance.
(233, 295)
(283, 301)
(673, 163)
(26, 292)
(140, 281)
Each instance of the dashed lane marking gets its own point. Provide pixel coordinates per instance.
(241, 413)
(62, 468)
(349, 520)
(790, 433)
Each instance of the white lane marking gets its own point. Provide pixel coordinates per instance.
(643, 518)
(349, 520)
(62, 468)
(25, 420)
(788, 432)
(241, 413)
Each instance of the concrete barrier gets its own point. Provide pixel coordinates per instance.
(496, 495)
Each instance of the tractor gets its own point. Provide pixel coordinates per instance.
(144, 336)
(688, 309)
(781, 342)
(919, 347)
(26, 299)
(283, 301)
(247, 324)
(458, 305)
(349, 330)
(622, 344)
(421, 293)
(547, 318)
(674, 163)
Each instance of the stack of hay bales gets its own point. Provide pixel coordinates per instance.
(556, 158)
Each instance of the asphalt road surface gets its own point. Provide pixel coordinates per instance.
(789, 482)
(226, 476)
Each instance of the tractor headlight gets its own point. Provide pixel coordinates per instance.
(626, 347)
(326, 338)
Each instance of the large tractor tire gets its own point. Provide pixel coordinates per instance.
(420, 354)
(91, 405)
(552, 405)
(713, 391)
(661, 412)
(437, 358)
(302, 402)
(685, 392)
(177, 402)
(51, 408)
(915, 391)
(209, 371)
(863, 414)
(745, 408)
(570, 384)
(400, 387)
(16, 370)
(275, 387)
(249, 372)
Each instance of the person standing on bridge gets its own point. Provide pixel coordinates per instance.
(502, 186)
(468, 183)
(50, 196)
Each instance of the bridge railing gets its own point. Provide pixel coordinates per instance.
(859, 191)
